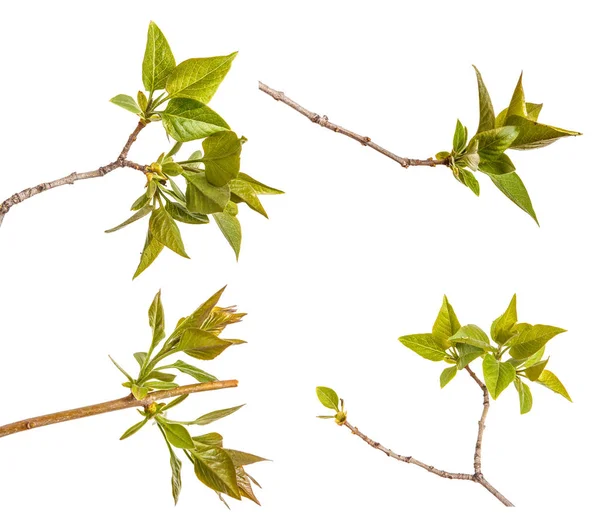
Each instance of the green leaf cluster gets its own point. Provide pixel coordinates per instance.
(329, 398)
(210, 181)
(197, 336)
(515, 127)
(513, 353)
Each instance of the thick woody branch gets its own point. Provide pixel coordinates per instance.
(120, 162)
(112, 405)
(476, 477)
(323, 121)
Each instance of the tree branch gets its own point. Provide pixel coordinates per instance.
(120, 162)
(112, 405)
(323, 121)
(476, 477)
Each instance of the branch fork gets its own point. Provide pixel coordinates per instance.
(477, 475)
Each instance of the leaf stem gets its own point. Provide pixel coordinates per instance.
(323, 121)
(113, 405)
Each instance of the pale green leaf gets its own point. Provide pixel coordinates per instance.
(175, 475)
(502, 327)
(204, 198)
(126, 102)
(231, 229)
(499, 166)
(259, 188)
(528, 342)
(185, 120)
(328, 397)
(472, 335)
(459, 142)
(424, 345)
(133, 429)
(165, 230)
(497, 375)
(447, 375)
(446, 324)
(152, 249)
(156, 319)
(534, 135)
(176, 434)
(486, 110)
(534, 371)
(179, 213)
(222, 157)
(213, 416)
(525, 397)
(199, 78)
(141, 213)
(517, 105)
(494, 142)
(243, 458)
(215, 469)
(511, 186)
(158, 60)
(548, 379)
(202, 345)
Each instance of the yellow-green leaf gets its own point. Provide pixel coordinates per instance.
(548, 379)
(158, 60)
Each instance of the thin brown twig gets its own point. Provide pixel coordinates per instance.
(120, 162)
(112, 405)
(323, 121)
(476, 477)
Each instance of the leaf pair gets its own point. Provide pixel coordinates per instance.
(461, 345)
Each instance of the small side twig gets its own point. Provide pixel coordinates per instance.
(476, 477)
(323, 121)
(112, 405)
(120, 162)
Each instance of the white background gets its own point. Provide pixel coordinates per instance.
(358, 252)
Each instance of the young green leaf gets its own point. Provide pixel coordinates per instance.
(472, 335)
(179, 213)
(259, 187)
(152, 249)
(159, 385)
(133, 429)
(533, 372)
(141, 213)
(213, 416)
(204, 198)
(158, 60)
(126, 102)
(497, 375)
(447, 375)
(502, 328)
(494, 142)
(199, 79)
(139, 391)
(459, 142)
(517, 103)
(222, 157)
(175, 402)
(196, 373)
(230, 226)
(245, 485)
(446, 324)
(525, 398)
(243, 458)
(175, 474)
(202, 345)
(424, 345)
(467, 354)
(176, 434)
(210, 439)
(328, 397)
(533, 110)
(185, 119)
(486, 110)
(533, 135)
(165, 230)
(215, 469)
(242, 190)
(469, 180)
(511, 186)
(528, 342)
(499, 166)
(156, 319)
(548, 379)
(123, 371)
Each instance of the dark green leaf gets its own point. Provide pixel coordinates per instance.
(528, 342)
(127, 103)
(187, 119)
(165, 230)
(142, 212)
(447, 375)
(158, 60)
(199, 79)
(497, 375)
(424, 345)
(152, 249)
(486, 110)
(328, 397)
(446, 325)
(222, 157)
